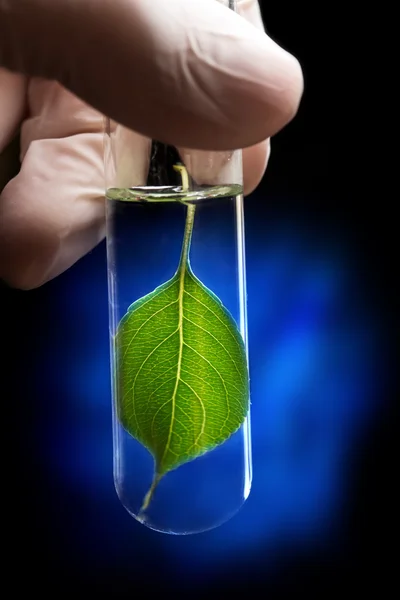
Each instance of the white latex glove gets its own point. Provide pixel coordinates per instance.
(186, 72)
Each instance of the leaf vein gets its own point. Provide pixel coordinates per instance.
(143, 324)
(217, 317)
(219, 375)
(202, 408)
(218, 342)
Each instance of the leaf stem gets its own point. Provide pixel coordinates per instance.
(187, 237)
(191, 209)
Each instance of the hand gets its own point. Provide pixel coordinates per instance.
(185, 72)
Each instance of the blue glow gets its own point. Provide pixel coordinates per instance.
(314, 373)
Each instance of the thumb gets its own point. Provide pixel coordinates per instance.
(190, 73)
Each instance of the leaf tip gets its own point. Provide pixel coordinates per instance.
(149, 495)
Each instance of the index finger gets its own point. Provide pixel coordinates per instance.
(189, 73)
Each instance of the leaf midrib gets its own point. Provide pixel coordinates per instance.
(181, 289)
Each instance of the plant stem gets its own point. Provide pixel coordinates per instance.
(187, 237)
(191, 209)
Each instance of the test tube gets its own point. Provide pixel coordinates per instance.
(178, 331)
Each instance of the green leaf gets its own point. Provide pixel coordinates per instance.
(182, 376)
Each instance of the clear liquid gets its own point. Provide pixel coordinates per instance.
(174, 194)
(145, 233)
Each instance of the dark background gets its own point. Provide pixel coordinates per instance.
(321, 315)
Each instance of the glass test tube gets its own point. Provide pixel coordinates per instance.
(178, 329)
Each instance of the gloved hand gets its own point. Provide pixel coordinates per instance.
(186, 72)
